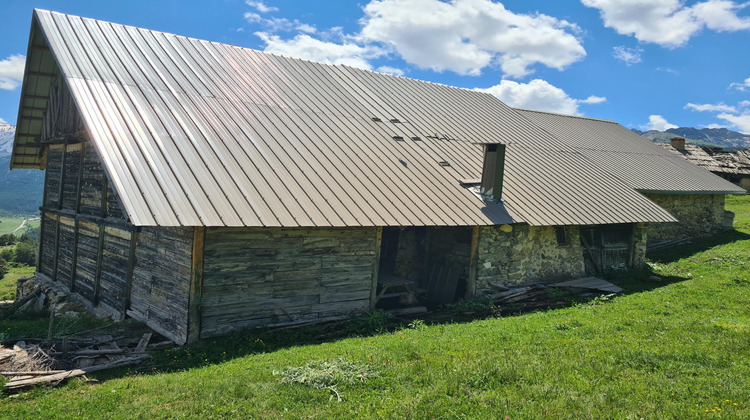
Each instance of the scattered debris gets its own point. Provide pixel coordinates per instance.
(591, 283)
(26, 364)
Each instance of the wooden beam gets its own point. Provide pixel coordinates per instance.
(376, 268)
(61, 188)
(99, 261)
(79, 182)
(106, 221)
(41, 74)
(57, 249)
(471, 282)
(131, 271)
(26, 117)
(36, 97)
(103, 209)
(74, 264)
(32, 108)
(196, 285)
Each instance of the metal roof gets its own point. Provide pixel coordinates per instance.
(193, 132)
(637, 161)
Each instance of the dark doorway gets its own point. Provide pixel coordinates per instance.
(607, 247)
(423, 266)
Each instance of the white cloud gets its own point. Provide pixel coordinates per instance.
(741, 86)
(304, 27)
(539, 95)
(657, 122)
(390, 70)
(309, 48)
(740, 122)
(11, 71)
(260, 6)
(592, 100)
(466, 36)
(2, 121)
(668, 70)
(669, 22)
(628, 55)
(744, 104)
(720, 107)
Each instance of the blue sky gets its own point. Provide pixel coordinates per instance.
(646, 64)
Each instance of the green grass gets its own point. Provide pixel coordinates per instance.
(677, 347)
(9, 223)
(8, 282)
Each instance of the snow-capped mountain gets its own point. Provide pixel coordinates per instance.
(7, 132)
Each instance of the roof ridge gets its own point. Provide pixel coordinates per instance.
(565, 115)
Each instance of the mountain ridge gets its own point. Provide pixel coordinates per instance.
(721, 137)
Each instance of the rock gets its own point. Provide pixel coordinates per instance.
(655, 278)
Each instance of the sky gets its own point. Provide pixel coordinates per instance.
(647, 64)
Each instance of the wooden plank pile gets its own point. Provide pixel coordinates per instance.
(25, 364)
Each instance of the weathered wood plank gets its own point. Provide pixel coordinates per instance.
(196, 286)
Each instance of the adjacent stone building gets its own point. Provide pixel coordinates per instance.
(693, 195)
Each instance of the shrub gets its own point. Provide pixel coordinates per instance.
(7, 254)
(3, 267)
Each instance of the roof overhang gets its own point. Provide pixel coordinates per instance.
(41, 70)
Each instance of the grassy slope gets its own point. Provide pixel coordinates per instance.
(672, 348)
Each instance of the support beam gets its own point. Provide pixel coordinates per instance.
(196, 285)
(471, 282)
(130, 273)
(106, 221)
(74, 264)
(376, 269)
(57, 249)
(99, 261)
(61, 189)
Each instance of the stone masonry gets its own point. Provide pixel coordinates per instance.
(698, 215)
(510, 255)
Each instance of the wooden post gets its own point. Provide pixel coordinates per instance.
(80, 177)
(196, 286)
(61, 189)
(74, 263)
(131, 271)
(376, 268)
(471, 282)
(57, 249)
(99, 261)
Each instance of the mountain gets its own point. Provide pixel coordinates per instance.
(703, 137)
(20, 189)
(6, 138)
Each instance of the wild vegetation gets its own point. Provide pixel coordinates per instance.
(675, 344)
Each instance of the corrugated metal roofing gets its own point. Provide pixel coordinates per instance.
(639, 162)
(193, 132)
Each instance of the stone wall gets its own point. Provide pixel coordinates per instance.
(510, 255)
(698, 215)
(640, 238)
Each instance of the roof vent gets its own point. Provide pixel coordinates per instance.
(444, 163)
(678, 143)
(416, 138)
(376, 119)
(395, 120)
(398, 138)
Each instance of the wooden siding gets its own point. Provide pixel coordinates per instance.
(258, 276)
(92, 183)
(161, 280)
(87, 256)
(49, 245)
(114, 269)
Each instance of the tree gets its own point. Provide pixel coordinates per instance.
(26, 253)
(3, 268)
(7, 254)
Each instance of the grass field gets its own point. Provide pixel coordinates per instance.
(8, 282)
(9, 223)
(677, 347)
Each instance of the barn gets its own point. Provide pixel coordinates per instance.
(203, 188)
(693, 195)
